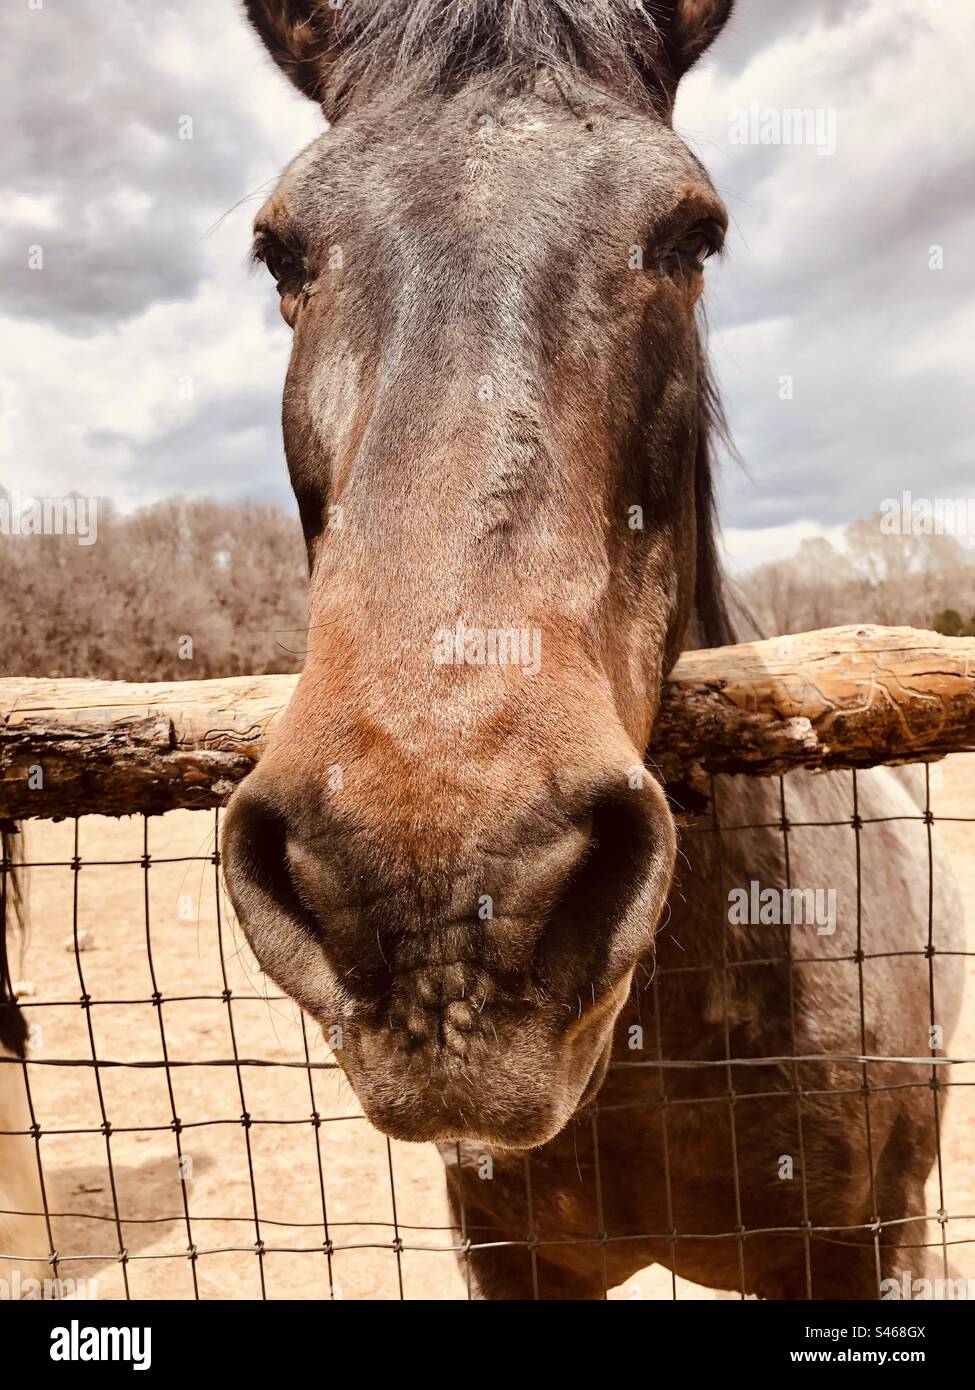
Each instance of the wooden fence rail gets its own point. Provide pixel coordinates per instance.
(844, 697)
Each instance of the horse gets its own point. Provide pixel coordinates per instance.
(24, 1240)
(453, 854)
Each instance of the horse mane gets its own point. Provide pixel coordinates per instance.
(716, 627)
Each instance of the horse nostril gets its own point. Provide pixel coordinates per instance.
(255, 859)
(610, 904)
(285, 931)
(315, 878)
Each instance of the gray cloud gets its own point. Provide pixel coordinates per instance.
(133, 159)
(231, 447)
(828, 280)
(757, 25)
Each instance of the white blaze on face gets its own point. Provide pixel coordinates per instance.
(336, 398)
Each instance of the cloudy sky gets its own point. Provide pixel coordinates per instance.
(144, 359)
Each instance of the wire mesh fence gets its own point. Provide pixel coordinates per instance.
(194, 1137)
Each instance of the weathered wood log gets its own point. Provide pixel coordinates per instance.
(74, 747)
(845, 697)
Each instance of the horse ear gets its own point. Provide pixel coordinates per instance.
(685, 30)
(300, 36)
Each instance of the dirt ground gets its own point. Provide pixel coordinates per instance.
(369, 1190)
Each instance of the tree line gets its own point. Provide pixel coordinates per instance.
(896, 580)
(179, 590)
(193, 589)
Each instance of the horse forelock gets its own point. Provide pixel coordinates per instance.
(445, 45)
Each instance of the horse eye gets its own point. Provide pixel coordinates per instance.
(286, 265)
(704, 241)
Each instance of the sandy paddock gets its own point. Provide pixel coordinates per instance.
(370, 1190)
